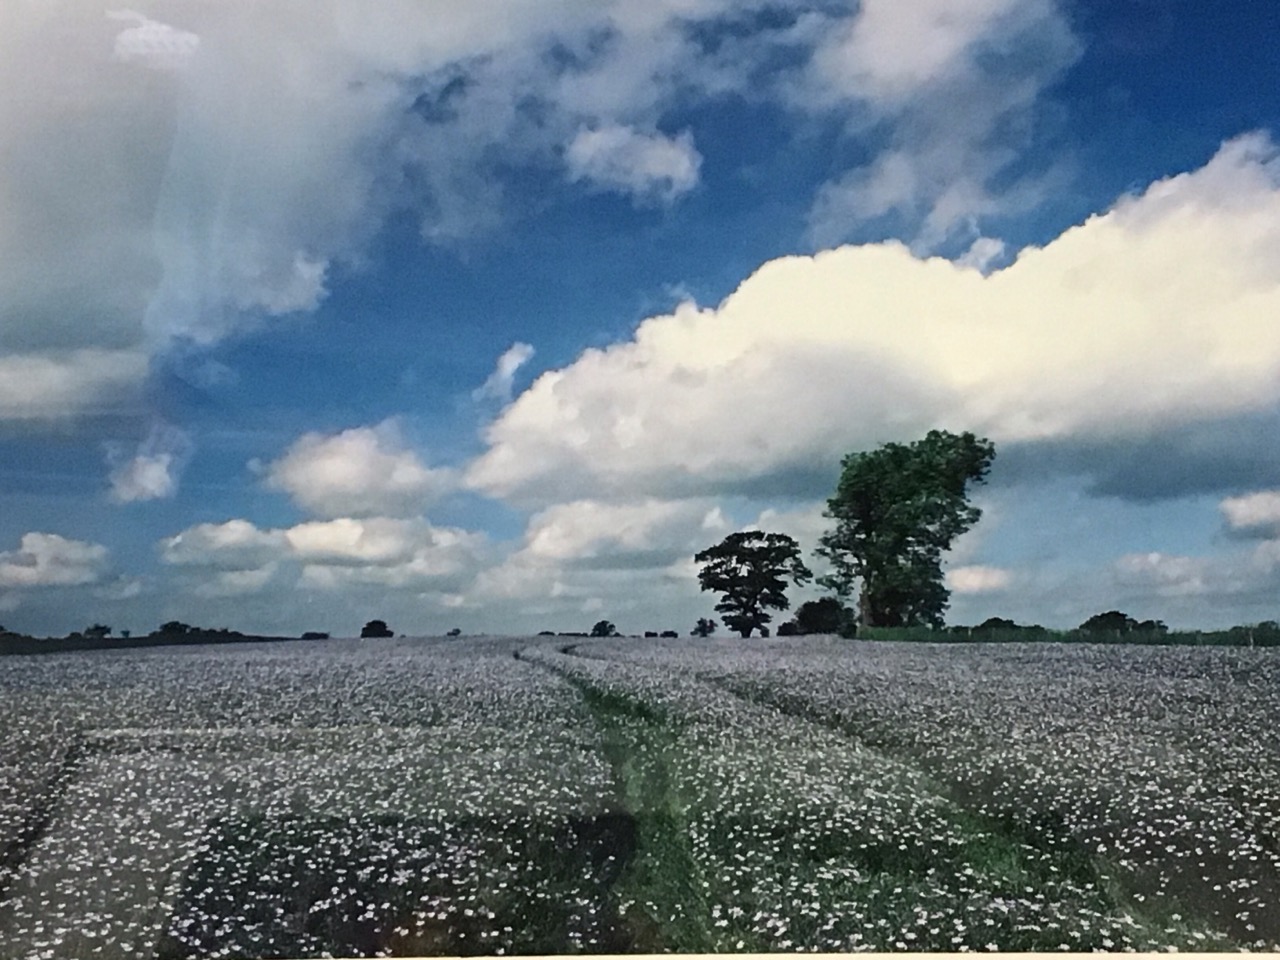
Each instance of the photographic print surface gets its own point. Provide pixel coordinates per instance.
(544, 476)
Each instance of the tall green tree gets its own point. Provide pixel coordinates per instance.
(897, 510)
(751, 569)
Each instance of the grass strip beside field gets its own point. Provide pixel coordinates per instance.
(664, 895)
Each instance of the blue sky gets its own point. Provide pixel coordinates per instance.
(490, 316)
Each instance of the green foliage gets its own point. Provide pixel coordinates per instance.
(826, 615)
(174, 627)
(704, 628)
(750, 569)
(376, 628)
(1113, 621)
(1256, 635)
(995, 623)
(897, 510)
(604, 628)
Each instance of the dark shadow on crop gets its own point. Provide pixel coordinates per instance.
(308, 886)
(41, 804)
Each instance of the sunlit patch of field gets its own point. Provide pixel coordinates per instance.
(413, 797)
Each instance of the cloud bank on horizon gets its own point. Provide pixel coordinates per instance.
(197, 201)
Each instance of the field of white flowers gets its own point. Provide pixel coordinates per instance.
(520, 796)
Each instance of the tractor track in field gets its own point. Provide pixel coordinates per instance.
(1063, 849)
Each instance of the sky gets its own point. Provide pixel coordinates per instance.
(491, 315)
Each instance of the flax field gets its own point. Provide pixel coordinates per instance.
(509, 796)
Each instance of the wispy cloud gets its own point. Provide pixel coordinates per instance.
(499, 385)
(648, 166)
(154, 470)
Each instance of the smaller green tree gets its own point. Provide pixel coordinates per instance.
(376, 628)
(1113, 621)
(995, 623)
(704, 628)
(825, 615)
(750, 569)
(604, 628)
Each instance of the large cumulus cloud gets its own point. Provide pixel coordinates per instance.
(1156, 314)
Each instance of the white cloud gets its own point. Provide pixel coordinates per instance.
(1157, 313)
(169, 180)
(954, 83)
(180, 178)
(978, 579)
(982, 254)
(233, 545)
(152, 43)
(1211, 578)
(48, 560)
(498, 386)
(364, 471)
(237, 557)
(374, 540)
(145, 477)
(121, 588)
(599, 532)
(890, 51)
(236, 583)
(153, 472)
(1254, 514)
(55, 385)
(598, 548)
(649, 166)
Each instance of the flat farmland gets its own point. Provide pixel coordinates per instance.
(542, 795)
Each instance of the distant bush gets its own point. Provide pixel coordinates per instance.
(376, 628)
(604, 628)
(455, 632)
(1265, 634)
(651, 633)
(313, 635)
(996, 623)
(825, 615)
(1113, 621)
(669, 634)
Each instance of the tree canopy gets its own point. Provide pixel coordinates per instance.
(1113, 621)
(750, 569)
(824, 615)
(897, 510)
(603, 628)
(376, 628)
